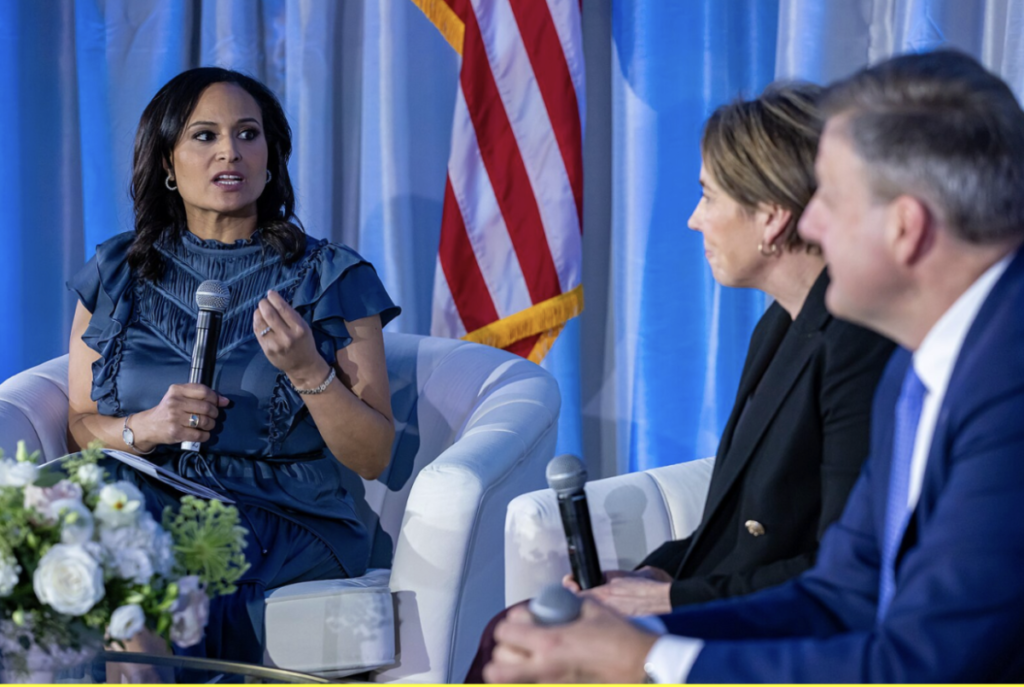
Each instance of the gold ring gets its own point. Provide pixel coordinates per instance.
(266, 331)
(193, 421)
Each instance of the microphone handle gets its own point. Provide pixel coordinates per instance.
(204, 353)
(204, 357)
(579, 535)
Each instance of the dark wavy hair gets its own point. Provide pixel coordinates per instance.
(160, 214)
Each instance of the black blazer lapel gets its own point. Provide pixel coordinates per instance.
(790, 359)
(763, 345)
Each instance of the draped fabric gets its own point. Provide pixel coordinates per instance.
(648, 372)
(678, 370)
(660, 387)
(368, 88)
(508, 272)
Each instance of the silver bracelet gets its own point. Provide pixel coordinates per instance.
(320, 389)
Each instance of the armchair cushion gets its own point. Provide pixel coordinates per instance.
(631, 516)
(354, 619)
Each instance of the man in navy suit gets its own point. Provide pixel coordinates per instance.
(920, 213)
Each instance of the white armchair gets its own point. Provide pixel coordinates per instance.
(631, 515)
(475, 427)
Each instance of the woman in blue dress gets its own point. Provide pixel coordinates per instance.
(300, 391)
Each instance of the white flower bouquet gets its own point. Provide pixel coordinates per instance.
(83, 563)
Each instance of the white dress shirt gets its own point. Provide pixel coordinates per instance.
(934, 360)
(671, 657)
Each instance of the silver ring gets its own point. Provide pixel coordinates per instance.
(266, 331)
(193, 420)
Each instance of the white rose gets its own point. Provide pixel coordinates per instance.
(134, 565)
(69, 579)
(17, 474)
(121, 503)
(189, 613)
(9, 572)
(76, 521)
(90, 474)
(126, 622)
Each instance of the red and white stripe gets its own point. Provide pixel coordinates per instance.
(511, 228)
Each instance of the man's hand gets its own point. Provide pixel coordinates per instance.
(601, 646)
(630, 592)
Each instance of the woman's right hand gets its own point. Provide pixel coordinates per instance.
(168, 421)
(647, 572)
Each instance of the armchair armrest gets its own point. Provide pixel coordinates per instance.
(447, 569)
(34, 409)
(631, 515)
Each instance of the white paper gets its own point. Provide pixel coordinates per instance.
(166, 476)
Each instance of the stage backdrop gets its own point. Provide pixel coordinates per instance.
(649, 371)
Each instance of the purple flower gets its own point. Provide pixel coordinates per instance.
(189, 613)
(41, 499)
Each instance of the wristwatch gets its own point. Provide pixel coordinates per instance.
(128, 436)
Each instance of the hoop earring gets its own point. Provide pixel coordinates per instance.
(269, 176)
(168, 181)
(770, 253)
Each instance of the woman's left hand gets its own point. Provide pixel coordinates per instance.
(286, 339)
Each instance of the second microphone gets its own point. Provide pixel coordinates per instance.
(567, 475)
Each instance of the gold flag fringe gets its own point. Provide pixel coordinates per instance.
(447, 22)
(545, 318)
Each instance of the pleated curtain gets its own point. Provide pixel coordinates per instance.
(649, 372)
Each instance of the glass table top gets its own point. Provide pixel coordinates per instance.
(135, 667)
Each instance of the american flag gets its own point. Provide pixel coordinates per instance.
(509, 263)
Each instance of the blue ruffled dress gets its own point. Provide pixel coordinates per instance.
(265, 451)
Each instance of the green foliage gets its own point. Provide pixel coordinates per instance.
(208, 542)
(91, 455)
(70, 464)
(22, 455)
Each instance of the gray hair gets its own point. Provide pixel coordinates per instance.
(941, 128)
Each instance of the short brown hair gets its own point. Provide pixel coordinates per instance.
(940, 127)
(763, 150)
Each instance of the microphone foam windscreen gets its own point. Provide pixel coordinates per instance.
(213, 295)
(566, 473)
(555, 605)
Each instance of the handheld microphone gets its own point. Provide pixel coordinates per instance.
(212, 297)
(566, 474)
(555, 605)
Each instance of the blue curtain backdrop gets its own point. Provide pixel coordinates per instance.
(649, 371)
(684, 337)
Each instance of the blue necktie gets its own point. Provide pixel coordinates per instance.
(897, 514)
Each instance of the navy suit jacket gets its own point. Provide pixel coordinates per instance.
(958, 611)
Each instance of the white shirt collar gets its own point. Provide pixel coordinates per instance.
(935, 357)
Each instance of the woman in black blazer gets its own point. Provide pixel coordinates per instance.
(799, 428)
(798, 432)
